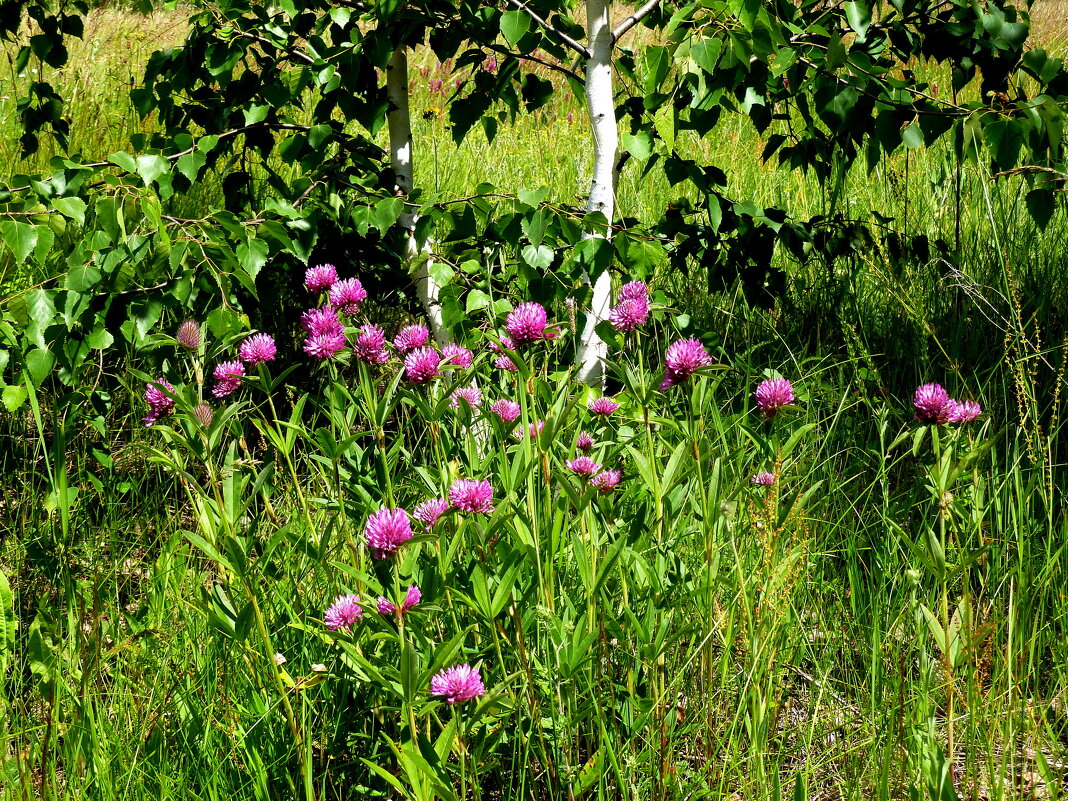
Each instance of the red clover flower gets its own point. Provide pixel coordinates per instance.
(526, 323)
(386, 530)
(602, 406)
(370, 345)
(159, 402)
(607, 481)
(422, 366)
(507, 410)
(411, 337)
(323, 320)
(457, 356)
(471, 395)
(325, 346)
(428, 512)
(343, 613)
(258, 348)
(471, 495)
(773, 394)
(634, 290)
(457, 684)
(502, 362)
(411, 598)
(963, 411)
(932, 404)
(534, 429)
(347, 296)
(321, 278)
(683, 359)
(228, 377)
(630, 314)
(583, 466)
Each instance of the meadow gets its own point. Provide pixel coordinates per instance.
(831, 594)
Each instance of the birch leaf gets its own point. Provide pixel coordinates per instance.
(514, 24)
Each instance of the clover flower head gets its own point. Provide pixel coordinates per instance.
(343, 613)
(470, 395)
(682, 360)
(320, 278)
(325, 346)
(631, 313)
(370, 345)
(411, 598)
(204, 414)
(507, 410)
(502, 362)
(411, 337)
(422, 365)
(932, 404)
(323, 320)
(602, 406)
(228, 377)
(583, 466)
(457, 356)
(506, 342)
(773, 394)
(159, 402)
(471, 495)
(257, 349)
(584, 442)
(526, 323)
(963, 411)
(607, 481)
(763, 479)
(634, 290)
(346, 296)
(457, 684)
(429, 511)
(386, 530)
(188, 334)
(534, 430)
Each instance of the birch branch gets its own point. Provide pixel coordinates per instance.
(634, 19)
(578, 47)
(504, 51)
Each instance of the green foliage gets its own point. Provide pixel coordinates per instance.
(284, 104)
(664, 639)
(687, 612)
(41, 108)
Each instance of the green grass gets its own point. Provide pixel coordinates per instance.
(796, 649)
(795, 643)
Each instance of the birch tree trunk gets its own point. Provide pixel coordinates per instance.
(400, 152)
(592, 350)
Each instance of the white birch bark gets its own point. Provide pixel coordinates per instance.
(427, 289)
(592, 349)
(399, 121)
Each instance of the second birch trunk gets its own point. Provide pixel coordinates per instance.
(400, 152)
(592, 349)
